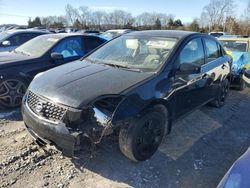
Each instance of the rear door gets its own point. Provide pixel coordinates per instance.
(216, 67)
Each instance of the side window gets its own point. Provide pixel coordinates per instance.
(70, 47)
(21, 38)
(14, 40)
(92, 42)
(27, 36)
(213, 50)
(193, 52)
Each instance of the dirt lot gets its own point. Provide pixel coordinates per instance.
(198, 152)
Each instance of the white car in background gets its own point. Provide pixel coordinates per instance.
(218, 34)
(11, 39)
(110, 34)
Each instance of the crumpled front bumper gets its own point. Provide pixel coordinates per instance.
(49, 133)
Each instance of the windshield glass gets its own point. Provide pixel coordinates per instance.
(144, 53)
(3, 35)
(37, 46)
(238, 46)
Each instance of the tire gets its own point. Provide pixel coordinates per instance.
(141, 139)
(221, 98)
(242, 85)
(12, 90)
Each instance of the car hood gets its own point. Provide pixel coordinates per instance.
(6, 58)
(240, 60)
(78, 83)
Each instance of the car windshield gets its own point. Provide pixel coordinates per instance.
(3, 35)
(233, 45)
(37, 46)
(143, 53)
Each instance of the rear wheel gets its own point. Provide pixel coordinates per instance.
(141, 139)
(12, 91)
(220, 100)
(242, 85)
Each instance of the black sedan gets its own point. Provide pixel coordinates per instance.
(18, 67)
(137, 84)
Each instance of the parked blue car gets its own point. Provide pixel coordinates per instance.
(238, 175)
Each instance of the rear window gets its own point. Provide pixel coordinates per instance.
(213, 50)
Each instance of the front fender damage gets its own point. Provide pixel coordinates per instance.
(101, 118)
(93, 122)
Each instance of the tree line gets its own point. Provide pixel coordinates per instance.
(218, 15)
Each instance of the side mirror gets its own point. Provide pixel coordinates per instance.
(57, 56)
(246, 77)
(189, 68)
(6, 43)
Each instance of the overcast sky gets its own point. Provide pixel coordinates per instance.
(19, 11)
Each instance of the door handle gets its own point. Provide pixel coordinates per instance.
(205, 76)
(223, 66)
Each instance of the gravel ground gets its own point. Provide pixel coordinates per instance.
(198, 152)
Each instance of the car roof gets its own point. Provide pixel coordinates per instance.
(234, 39)
(163, 33)
(26, 31)
(64, 35)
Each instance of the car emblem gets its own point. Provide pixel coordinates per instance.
(39, 107)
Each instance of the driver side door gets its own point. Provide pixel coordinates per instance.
(70, 48)
(189, 86)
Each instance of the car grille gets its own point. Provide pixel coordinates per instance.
(44, 108)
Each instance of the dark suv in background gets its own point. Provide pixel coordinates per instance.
(18, 67)
(137, 84)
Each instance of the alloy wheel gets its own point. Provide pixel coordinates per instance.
(150, 137)
(12, 92)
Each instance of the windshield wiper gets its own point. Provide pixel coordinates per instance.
(121, 66)
(21, 52)
(25, 53)
(89, 60)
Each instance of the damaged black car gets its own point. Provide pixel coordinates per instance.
(137, 84)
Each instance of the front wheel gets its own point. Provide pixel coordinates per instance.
(141, 139)
(12, 91)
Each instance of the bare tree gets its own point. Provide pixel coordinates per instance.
(216, 11)
(246, 14)
(54, 21)
(71, 14)
(84, 15)
(98, 17)
(244, 23)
